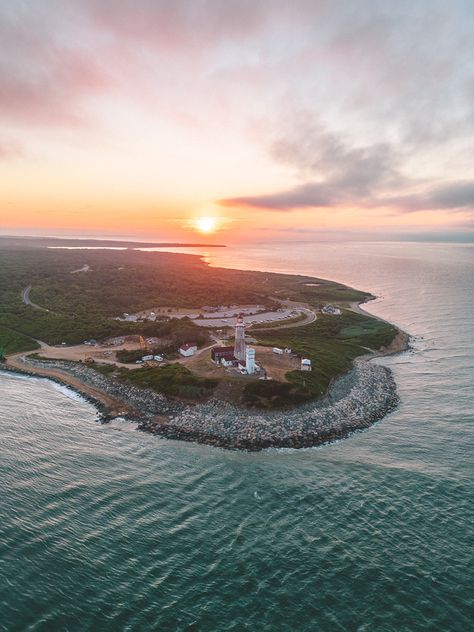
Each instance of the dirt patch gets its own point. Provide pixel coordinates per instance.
(78, 353)
(399, 343)
(113, 405)
(276, 365)
(202, 365)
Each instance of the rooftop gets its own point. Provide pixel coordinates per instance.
(188, 345)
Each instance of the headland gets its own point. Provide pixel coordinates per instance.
(236, 359)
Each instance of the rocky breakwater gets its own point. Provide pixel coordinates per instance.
(112, 398)
(354, 401)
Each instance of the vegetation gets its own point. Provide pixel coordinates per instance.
(331, 343)
(273, 394)
(105, 369)
(84, 305)
(52, 269)
(127, 356)
(78, 303)
(173, 380)
(14, 342)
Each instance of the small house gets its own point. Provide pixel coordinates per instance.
(188, 349)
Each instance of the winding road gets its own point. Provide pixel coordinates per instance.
(26, 299)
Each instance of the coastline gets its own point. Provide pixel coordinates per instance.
(354, 401)
(107, 407)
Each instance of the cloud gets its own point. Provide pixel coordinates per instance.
(312, 195)
(342, 173)
(354, 103)
(385, 118)
(58, 58)
(451, 196)
(10, 150)
(178, 25)
(47, 71)
(362, 58)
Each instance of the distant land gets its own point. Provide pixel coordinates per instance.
(95, 243)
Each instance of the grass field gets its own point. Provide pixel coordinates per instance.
(331, 343)
(173, 379)
(14, 342)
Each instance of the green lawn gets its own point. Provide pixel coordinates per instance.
(173, 379)
(331, 343)
(14, 342)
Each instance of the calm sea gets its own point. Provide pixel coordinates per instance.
(104, 528)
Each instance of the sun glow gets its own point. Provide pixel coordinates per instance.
(205, 224)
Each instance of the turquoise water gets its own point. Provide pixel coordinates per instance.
(105, 528)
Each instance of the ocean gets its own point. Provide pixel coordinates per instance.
(104, 528)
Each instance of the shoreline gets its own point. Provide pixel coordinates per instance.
(354, 401)
(107, 408)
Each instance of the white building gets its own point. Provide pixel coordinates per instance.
(305, 364)
(250, 360)
(188, 349)
(277, 350)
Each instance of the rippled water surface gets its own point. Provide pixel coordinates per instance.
(105, 528)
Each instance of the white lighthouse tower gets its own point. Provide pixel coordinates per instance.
(250, 360)
(239, 347)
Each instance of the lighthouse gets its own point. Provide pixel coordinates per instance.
(239, 347)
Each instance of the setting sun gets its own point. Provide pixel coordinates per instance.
(206, 224)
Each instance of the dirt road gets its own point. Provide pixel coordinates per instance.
(113, 405)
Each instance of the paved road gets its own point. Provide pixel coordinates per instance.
(310, 318)
(27, 301)
(249, 319)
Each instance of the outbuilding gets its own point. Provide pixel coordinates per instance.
(188, 349)
(223, 355)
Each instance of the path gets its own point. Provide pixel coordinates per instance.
(26, 299)
(85, 268)
(114, 405)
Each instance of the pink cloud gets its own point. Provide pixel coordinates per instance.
(10, 150)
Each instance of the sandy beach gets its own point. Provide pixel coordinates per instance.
(109, 405)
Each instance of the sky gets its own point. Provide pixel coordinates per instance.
(237, 120)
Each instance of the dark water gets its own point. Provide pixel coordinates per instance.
(104, 528)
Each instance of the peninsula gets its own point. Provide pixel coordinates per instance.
(233, 358)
